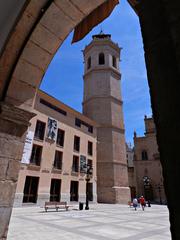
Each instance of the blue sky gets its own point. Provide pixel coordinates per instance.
(64, 80)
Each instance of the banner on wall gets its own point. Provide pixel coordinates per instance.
(27, 147)
(52, 129)
(83, 164)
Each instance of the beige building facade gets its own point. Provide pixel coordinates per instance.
(60, 143)
(147, 166)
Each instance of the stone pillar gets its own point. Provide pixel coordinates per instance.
(13, 125)
(160, 26)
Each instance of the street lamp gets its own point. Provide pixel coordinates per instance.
(88, 177)
(147, 185)
(146, 181)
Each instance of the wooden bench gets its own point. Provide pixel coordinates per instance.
(56, 205)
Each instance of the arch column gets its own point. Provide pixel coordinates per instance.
(13, 125)
(160, 30)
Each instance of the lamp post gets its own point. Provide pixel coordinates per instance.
(88, 177)
(146, 182)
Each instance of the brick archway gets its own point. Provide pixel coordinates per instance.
(38, 31)
(42, 28)
(36, 35)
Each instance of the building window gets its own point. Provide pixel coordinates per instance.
(55, 108)
(90, 163)
(36, 155)
(89, 63)
(114, 63)
(144, 155)
(101, 59)
(76, 143)
(60, 138)
(90, 129)
(58, 160)
(40, 130)
(77, 122)
(90, 148)
(75, 165)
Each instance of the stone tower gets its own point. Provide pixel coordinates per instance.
(103, 103)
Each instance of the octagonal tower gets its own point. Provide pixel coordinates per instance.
(103, 103)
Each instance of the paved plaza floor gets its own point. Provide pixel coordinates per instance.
(101, 222)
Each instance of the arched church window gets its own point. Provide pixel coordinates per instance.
(89, 63)
(114, 63)
(144, 155)
(101, 59)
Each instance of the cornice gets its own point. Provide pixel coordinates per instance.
(101, 43)
(113, 71)
(118, 101)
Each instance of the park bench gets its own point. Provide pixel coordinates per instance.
(56, 205)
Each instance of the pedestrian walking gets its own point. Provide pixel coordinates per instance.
(142, 202)
(135, 203)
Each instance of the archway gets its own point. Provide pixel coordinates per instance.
(28, 52)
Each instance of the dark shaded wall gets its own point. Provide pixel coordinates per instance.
(160, 25)
(10, 11)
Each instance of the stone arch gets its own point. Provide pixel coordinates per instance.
(101, 58)
(144, 155)
(114, 61)
(42, 28)
(38, 31)
(89, 63)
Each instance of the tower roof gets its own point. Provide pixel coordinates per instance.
(101, 39)
(101, 35)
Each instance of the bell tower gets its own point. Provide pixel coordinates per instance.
(103, 103)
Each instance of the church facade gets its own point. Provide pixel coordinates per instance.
(147, 166)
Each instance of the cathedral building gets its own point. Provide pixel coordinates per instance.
(147, 166)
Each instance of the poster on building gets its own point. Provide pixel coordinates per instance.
(27, 147)
(82, 164)
(52, 129)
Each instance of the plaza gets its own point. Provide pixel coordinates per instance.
(101, 222)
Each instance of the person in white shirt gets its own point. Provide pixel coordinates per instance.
(135, 203)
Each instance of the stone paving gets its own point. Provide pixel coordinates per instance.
(101, 222)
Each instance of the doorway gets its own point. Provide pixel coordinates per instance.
(148, 192)
(55, 190)
(74, 191)
(30, 189)
(90, 191)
